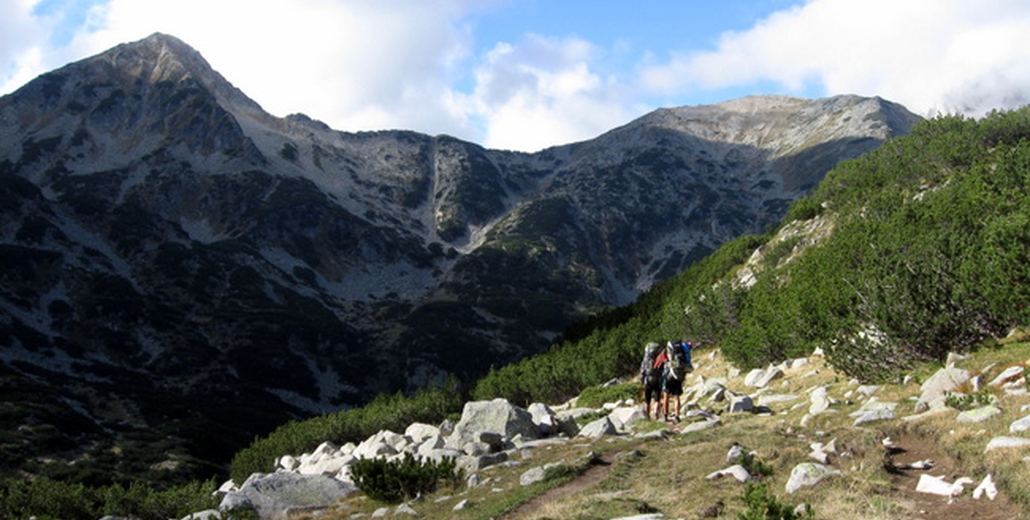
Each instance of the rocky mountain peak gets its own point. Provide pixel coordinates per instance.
(164, 59)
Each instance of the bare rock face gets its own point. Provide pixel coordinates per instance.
(275, 496)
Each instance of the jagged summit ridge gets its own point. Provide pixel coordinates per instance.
(161, 57)
(785, 124)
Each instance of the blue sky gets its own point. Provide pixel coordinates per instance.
(527, 74)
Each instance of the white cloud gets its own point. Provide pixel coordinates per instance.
(21, 38)
(357, 65)
(411, 64)
(360, 64)
(930, 55)
(543, 92)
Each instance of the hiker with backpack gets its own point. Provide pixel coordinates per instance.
(677, 363)
(651, 379)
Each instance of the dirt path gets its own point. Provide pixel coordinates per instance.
(917, 504)
(590, 478)
(925, 505)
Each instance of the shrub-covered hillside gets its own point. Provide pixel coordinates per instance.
(918, 248)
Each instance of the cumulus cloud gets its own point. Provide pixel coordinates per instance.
(360, 64)
(21, 38)
(930, 55)
(542, 92)
(357, 65)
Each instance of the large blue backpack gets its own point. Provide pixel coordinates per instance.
(679, 360)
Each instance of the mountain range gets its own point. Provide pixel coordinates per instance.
(181, 270)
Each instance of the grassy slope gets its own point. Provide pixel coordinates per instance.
(668, 476)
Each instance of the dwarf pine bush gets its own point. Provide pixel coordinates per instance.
(395, 481)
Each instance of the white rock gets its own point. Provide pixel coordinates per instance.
(938, 486)
(986, 487)
(769, 376)
(419, 432)
(820, 401)
(544, 417)
(209, 514)
(998, 443)
(429, 444)
(736, 471)
(753, 376)
(226, 487)
(326, 449)
(599, 428)
(808, 474)
(819, 454)
(734, 453)
(740, 403)
(701, 425)
(934, 389)
(954, 358)
(874, 415)
(405, 509)
(1009, 374)
(532, 476)
(497, 416)
(623, 417)
(288, 462)
(919, 464)
(1020, 425)
(868, 390)
(978, 414)
(272, 495)
(327, 465)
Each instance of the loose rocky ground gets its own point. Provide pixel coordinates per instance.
(856, 441)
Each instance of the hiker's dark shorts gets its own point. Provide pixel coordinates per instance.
(652, 392)
(673, 386)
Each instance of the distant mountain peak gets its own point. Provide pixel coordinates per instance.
(162, 57)
(158, 57)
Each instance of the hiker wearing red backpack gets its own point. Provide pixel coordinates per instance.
(676, 364)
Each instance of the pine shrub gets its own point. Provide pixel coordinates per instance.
(762, 505)
(395, 481)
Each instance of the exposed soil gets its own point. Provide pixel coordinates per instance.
(925, 505)
(919, 505)
(588, 479)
